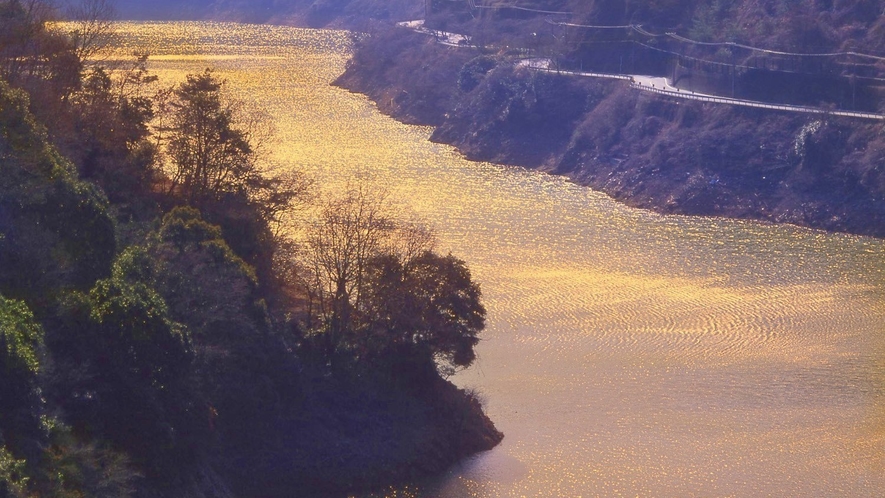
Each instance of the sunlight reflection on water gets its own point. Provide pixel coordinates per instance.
(627, 353)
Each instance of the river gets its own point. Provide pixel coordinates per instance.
(627, 353)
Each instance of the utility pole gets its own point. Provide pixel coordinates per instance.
(675, 69)
(853, 83)
(732, 72)
(633, 56)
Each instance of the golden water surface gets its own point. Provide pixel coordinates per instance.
(627, 353)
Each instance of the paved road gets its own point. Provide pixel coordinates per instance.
(661, 86)
(442, 37)
(654, 84)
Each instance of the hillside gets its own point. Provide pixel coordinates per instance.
(671, 156)
(313, 13)
(812, 25)
(789, 25)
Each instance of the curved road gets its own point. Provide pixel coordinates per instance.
(654, 84)
(661, 86)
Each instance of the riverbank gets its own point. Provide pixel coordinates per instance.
(678, 157)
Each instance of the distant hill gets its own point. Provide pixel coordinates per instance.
(162, 9)
(314, 13)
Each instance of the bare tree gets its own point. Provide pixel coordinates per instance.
(93, 29)
(411, 239)
(350, 231)
(381, 295)
(24, 40)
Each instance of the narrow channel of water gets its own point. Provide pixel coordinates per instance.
(627, 353)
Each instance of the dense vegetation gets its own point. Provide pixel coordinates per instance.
(672, 156)
(798, 52)
(158, 338)
(802, 25)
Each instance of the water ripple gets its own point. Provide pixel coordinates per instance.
(627, 353)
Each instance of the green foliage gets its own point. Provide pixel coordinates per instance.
(21, 355)
(122, 372)
(165, 353)
(422, 312)
(139, 362)
(21, 339)
(57, 231)
(138, 339)
(69, 468)
(108, 130)
(13, 475)
(21, 345)
(74, 470)
(23, 136)
(214, 292)
(239, 368)
(203, 281)
(184, 228)
(210, 156)
(449, 307)
(134, 264)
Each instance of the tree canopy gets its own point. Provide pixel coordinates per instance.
(210, 155)
(53, 227)
(422, 311)
(382, 296)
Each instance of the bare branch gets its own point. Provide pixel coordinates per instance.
(93, 26)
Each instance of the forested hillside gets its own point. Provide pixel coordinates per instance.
(158, 338)
(809, 25)
(673, 156)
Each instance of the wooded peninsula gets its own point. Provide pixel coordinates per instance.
(160, 335)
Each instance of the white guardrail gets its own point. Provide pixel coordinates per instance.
(712, 98)
(762, 105)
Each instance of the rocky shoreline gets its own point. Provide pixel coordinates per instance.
(670, 156)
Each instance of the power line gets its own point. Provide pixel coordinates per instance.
(701, 97)
(474, 6)
(639, 29)
(571, 25)
(773, 52)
